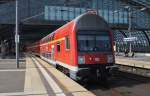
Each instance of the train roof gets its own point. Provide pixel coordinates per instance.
(86, 21)
(90, 21)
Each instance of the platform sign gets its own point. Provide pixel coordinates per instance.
(130, 39)
(17, 38)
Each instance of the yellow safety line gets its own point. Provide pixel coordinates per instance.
(50, 42)
(54, 41)
(57, 40)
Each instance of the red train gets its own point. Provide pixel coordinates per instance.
(82, 48)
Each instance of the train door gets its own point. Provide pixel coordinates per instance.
(52, 53)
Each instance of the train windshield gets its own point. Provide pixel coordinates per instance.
(94, 42)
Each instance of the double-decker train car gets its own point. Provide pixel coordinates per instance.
(82, 48)
(34, 48)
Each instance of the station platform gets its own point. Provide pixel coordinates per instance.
(139, 61)
(36, 77)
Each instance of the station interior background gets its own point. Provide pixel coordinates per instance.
(37, 18)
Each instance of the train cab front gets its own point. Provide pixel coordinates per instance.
(95, 54)
(94, 46)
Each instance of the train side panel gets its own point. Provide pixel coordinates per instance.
(62, 56)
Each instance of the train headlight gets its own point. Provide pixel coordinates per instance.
(110, 59)
(81, 60)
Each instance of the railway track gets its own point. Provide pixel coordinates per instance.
(122, 84)
(134, 70)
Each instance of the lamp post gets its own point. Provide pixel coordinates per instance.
(130, 24)
(130, 12)
(17, 36)
(129, 28)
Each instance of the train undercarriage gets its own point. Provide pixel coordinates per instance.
(99, 73)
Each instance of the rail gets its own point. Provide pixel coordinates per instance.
(134, 69)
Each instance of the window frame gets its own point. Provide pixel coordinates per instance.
(58, 48)
(66, 46)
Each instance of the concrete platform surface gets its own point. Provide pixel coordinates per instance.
(11, 78)
(137, 58)
(142, 62)
(36, 77)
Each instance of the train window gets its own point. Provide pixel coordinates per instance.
(67, 42)
(58, 46)
(94, 43)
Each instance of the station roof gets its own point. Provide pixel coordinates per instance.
(140, 3)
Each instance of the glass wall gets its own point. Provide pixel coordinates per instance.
(112, 10)
(107, 11)
(62, 13)
(7, 12)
